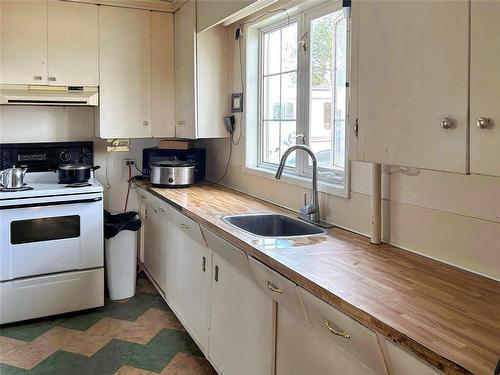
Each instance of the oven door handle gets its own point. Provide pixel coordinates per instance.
(43, 204)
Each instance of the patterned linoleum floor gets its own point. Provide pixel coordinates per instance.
(139, 336)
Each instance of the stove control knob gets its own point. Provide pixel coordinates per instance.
(170, 180)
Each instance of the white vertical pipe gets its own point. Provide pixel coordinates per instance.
(376, 208)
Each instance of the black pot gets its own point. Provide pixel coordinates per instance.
(75, 173)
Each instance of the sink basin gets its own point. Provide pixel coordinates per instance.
(272, 225)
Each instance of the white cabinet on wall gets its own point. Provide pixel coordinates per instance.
(49, 42)
(125, 68)
(23, 42)
(412, 74)
(136, 73)
(201, 77)
(485, 88)
(73, 44)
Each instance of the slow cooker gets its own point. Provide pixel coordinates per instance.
(172, 173)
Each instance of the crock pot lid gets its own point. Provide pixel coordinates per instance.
(171, 163)
(74, 167)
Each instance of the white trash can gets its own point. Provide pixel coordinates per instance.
(121, 264)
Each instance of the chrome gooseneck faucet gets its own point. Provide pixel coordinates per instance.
(310, 212)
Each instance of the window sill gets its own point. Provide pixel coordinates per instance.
(324, 187)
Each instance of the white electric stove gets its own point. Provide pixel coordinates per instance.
(51, 236)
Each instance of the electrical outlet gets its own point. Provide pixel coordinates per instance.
(124, 168)
(126, 161)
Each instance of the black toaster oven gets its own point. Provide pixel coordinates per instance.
(194, 156)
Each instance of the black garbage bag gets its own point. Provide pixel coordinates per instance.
(115, 223)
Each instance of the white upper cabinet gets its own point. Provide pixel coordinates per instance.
(49, 42)
(23, 43)
(412, 83)
(73, 47)
(485, 88)
(201, 77)
(162, 73)
(125, 73)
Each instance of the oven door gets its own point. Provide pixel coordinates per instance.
(45, 235)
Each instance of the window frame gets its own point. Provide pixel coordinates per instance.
(300, 174)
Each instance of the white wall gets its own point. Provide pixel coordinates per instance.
(450, 217)
(20, 124)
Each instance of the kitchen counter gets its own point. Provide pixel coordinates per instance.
(446, 316)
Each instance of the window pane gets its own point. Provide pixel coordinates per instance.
(272, 48)
(288, 133)
(289, 48)
(271, 142)
(272, 103)
(328, 93)
(289, 96)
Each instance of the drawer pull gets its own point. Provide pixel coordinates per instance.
(161, 209)
(328, 325)
(204, 264)
(273, 288)
(184, 226)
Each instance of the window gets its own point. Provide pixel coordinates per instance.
(302, 86)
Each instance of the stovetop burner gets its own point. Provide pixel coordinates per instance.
(78, 185)
(22, 188)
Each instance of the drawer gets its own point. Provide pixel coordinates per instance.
(279, 288)
(226, 250)
(343, 331)
(187, 225)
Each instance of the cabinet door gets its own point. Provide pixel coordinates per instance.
(188, 283)
(162, 72)
(412, 74)
(23, 44)
(155, 244)
(300, 350)
(73, 44)
(240, 313)
(125, 73)
(185, 62)
(400, 361)
(485, 87)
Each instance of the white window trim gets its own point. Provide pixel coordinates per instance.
(252, 68)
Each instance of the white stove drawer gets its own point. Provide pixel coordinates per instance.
(36, 297)
(40, 238)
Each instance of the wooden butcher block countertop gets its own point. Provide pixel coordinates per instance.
(446, 316)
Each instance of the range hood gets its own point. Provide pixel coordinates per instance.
(49, 95)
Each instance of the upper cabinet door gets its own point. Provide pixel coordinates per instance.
(23, 44)
(485, 88)
(162, 83)
(73, 44)
(185, 62)
(125, 73)
(412, 77)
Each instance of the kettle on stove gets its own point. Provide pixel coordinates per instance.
(12, 178)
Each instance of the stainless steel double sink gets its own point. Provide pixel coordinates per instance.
(272, 225)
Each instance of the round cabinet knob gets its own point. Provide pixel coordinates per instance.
(145, 122)
(482, 122)
(446, 123)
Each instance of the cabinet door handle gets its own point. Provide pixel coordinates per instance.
(161, 209)
(204, 264)
(482, 122)
(145, 123)
(216, 277)
(446, 123)
(273, 288)
(329, 325)
(180, 122)
(184, 226)
(37, 78)
(52, 79)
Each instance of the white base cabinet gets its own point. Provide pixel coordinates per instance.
(188, 283)
(241, 323)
